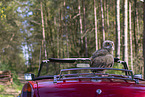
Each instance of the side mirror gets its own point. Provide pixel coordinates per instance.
(29, 76)
(138, 76)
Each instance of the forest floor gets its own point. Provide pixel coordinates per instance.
(12, 90)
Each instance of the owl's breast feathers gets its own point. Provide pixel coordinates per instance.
(102, 58)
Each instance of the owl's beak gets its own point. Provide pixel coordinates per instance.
(112, 47)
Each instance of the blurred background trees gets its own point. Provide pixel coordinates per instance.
(33, 30)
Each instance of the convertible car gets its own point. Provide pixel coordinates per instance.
(73, 77)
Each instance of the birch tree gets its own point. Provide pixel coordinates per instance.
(130, 37)
(43, 30)
(103, 30)
(125, 32)
(107, 13)
(118, 28)
(96, 37)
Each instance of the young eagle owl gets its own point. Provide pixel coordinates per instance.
(103, 58)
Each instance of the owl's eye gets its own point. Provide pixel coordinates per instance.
(108, 44)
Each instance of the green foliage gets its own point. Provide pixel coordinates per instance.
(118, 66)
(2, 88)
(138, 63)
(15, 78)
(16, 86)
(10, 37)
(4, 67)
(6, 96)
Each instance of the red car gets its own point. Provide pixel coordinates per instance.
(72, 77)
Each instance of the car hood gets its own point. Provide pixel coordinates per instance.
(47, 88)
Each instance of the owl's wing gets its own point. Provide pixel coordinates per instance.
(109, 60)
(103, 61)
(100, 52)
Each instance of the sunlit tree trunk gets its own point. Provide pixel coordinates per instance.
(96, 37)
(125, 32)
(107, 12)
(103, 29)
(130, 36)
(43, 30)
(117, 29)
(46, 15)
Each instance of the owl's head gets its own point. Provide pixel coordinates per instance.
(108, 44)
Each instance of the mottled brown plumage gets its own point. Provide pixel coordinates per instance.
(103, 58)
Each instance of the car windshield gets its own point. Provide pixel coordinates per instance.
(53, 68)
(71, 68)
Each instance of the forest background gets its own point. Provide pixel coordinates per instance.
(34, 30)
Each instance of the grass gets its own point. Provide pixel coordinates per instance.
(18, 87)
(15, 88)
(7, 96)
(2, 88)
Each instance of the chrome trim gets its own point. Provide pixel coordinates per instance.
(31, 89)
(98, 91)
(95, 78)
(32, 94)
(94, 68)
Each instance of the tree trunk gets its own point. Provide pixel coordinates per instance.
(138, 31)
(130, 34)
(117, 29)
(84, 24)
(65, 28)
(135, 35)
(40, 57)
(96, 37)
(43, 30)
(125, 32)
(107, 13)
(81, 25)
(57, 29)
(103, 30)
